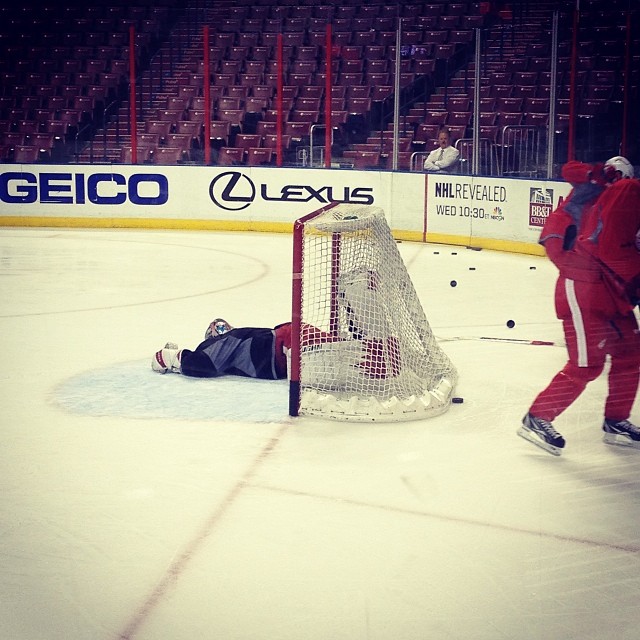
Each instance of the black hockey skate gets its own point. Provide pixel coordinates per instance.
(541, 433)
(621, 432)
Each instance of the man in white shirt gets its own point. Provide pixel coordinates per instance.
(444, 157)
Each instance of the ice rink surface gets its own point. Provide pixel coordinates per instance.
(135, 505)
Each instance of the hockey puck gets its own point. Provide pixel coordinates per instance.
(457, 400)
(453, 283)
(511, 324)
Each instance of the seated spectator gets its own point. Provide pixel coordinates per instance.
(444, 157)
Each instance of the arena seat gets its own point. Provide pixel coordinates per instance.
(170, 155)
(259, 156)
(247, 140)
(363, 159)
(143, 153)
(270, 141)
(220, 132)
(228, 156)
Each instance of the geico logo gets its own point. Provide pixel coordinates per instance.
(97, 188)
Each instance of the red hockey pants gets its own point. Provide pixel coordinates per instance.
(592, 332)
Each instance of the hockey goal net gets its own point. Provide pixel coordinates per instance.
(362, 347)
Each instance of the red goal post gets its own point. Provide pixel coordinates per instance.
(362, 348)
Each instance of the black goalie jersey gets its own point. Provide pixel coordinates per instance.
(247, 351)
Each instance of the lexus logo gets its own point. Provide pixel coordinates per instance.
(232, 191)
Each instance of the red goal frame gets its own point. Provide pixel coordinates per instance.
(297, 297)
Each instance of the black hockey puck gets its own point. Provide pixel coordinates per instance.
(457, 400)
(453, 283)
(511, 324)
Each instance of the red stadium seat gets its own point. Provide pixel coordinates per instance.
(170, 155)
(247, 140)
(259, 156)
(228, 156)
(363, 159)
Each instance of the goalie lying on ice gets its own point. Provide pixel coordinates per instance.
(259, 352)
(252, 352)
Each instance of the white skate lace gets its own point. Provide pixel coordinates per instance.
(626, 426)
(547, 427)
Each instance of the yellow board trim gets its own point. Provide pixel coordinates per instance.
(244, 225)
(509, 246)
(145, 223)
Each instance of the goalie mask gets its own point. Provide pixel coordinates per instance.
(217, 328)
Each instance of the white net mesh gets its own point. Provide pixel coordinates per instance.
(367, 351)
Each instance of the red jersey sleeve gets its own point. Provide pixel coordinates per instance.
(575, 172)
(553, 235)
(619, 222)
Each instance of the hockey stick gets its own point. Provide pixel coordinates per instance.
(537, 343)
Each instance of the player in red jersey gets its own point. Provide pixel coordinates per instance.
(596, 290)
